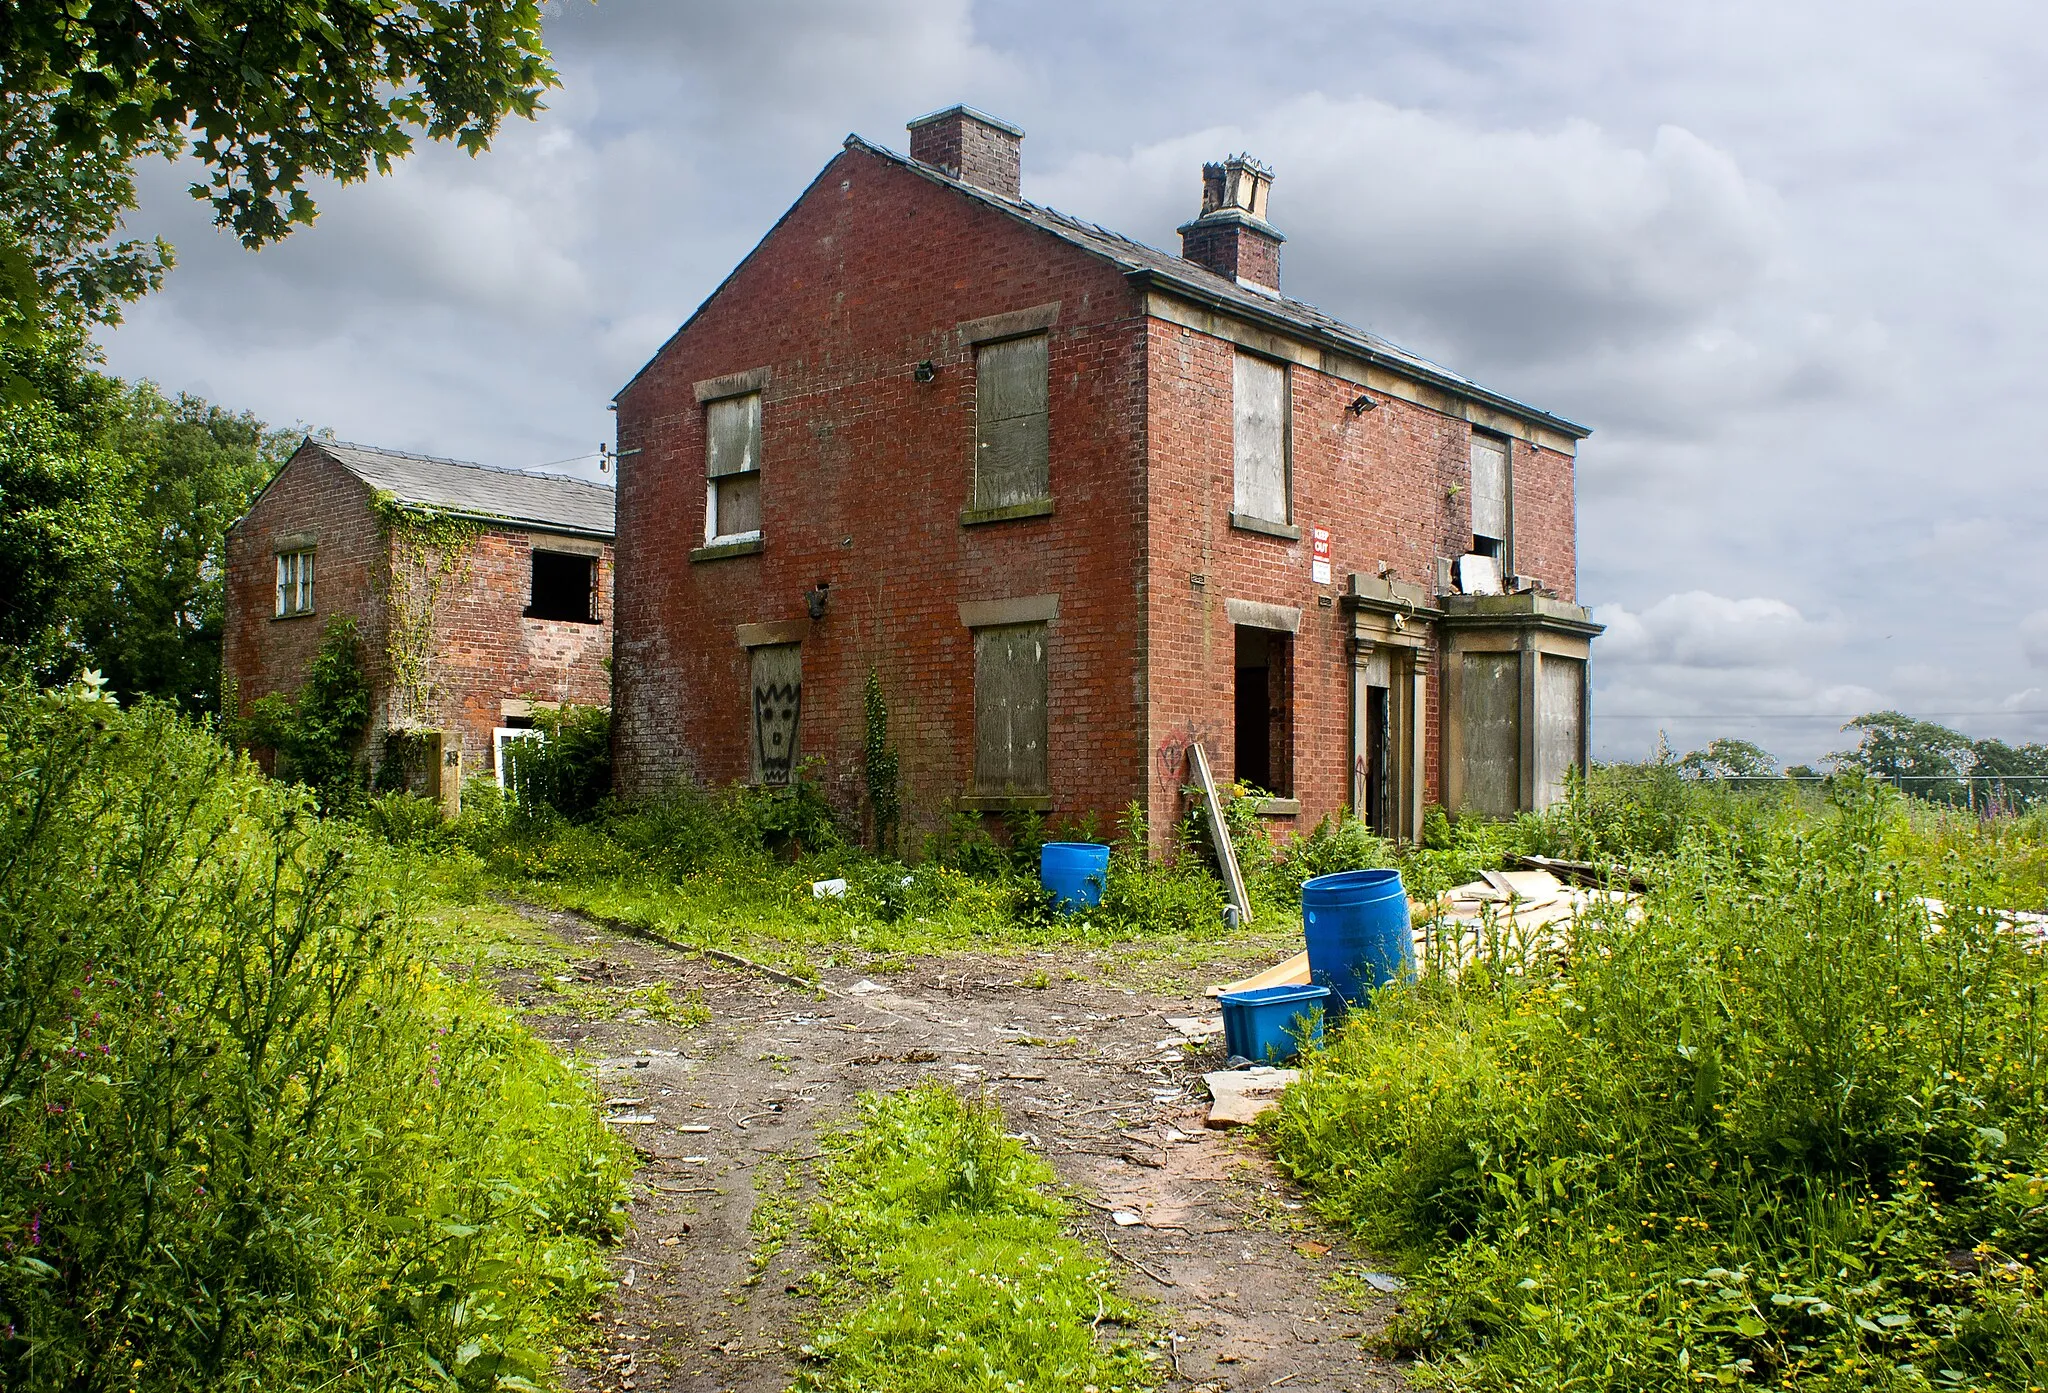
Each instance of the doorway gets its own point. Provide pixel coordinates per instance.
(1264, 715)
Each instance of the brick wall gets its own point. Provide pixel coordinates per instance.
(487, 651)
(1381, 483)
(865, 472)
(315, 499)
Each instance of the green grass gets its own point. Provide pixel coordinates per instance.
(1778, 1132)
(250, 1132)
(949, 1263)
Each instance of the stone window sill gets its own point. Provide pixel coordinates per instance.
(1277, 807)
(1007, 803)
(718, 551)
(554, 619)
(1245, 522)
(295, 614)
(1031, 508)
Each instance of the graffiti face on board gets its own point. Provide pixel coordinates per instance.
(776, 706)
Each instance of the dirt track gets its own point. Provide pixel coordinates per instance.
(1091, 1074)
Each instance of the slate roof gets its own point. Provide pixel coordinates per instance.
(1149, 264)
(553, 502)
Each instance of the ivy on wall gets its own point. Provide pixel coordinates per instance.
(428, 550)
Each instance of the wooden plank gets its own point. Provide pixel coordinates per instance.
(1219, 831)
(1292, 973)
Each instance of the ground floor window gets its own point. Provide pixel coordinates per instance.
(1265, 709)
(777, 692)
(1010, 693)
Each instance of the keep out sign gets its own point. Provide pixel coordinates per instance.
(1319, 556)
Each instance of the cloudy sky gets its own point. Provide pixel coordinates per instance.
(1787, 259)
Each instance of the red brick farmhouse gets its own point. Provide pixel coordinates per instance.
(1080, 504)
(477, 593)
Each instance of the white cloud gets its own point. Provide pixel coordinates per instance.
(2034, 638)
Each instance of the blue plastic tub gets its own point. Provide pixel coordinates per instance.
(1356, 924)
(1074, 872)
(1270, 1023)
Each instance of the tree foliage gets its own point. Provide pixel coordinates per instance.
(1729, 758)
(270, 95)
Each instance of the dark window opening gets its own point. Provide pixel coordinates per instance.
(1487, 546)
(1265, 715)
(518, 722)
(564, 587)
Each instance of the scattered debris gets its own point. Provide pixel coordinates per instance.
(1241, 1095)
(1125, 1218)
(1197, 1027)
(865, 988)
(832, 889)
(1383, 1281)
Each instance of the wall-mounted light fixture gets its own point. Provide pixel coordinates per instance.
(814, 600)
(926, 371)
(1362, 404)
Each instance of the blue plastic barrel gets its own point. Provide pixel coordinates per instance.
(1356, 924)
(1075, 873)
(1265, 1024)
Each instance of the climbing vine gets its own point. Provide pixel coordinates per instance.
(428, 550)
(316, 732)
(885, 805)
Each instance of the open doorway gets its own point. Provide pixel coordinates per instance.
(1378, 809)
(1265, 716)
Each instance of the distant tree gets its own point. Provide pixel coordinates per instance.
(63, 492)
(1925, 759)
(114, 508)
(1728, 758)
(2015, 775)
(190, 468)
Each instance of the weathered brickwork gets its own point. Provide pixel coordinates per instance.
(866, 471)
(313, 502)
(481, 650)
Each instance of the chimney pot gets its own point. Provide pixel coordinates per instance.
(1232, 237)
(971, 146)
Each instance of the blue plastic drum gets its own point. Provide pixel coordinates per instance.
(1075, 873)
(1356, 924)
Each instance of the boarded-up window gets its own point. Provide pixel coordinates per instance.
(1260, 453)
(1560, 719)
(732, 467)
(1490, 495)
(1490, 711)
(1009, 709)
(1010, 423)
(778, 692)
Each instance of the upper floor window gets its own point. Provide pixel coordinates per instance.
(1491, 484)
(294, 582)
(732, 468)
(564, 587)
(1011, 450)
(1260, 444)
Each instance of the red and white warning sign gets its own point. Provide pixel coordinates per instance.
(1319, 556)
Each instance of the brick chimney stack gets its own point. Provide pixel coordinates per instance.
(1232, 237)
(973, 147)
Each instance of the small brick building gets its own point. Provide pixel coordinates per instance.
(1079, 504)
(477, 593)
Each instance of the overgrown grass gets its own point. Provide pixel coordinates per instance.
(950, 1265)
(249, 1134)
(1782, 1131)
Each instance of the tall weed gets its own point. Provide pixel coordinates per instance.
(248, 1134)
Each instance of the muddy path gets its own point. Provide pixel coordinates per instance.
(1254, 1292)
